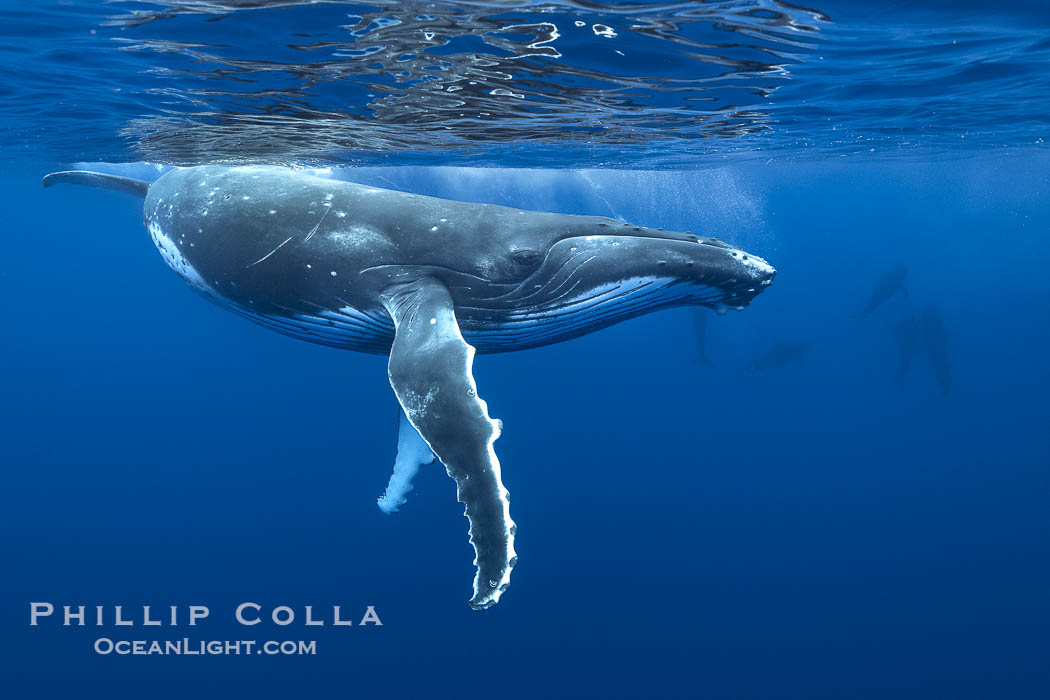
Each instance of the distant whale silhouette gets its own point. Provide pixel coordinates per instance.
(700, 319)
(427, 282)
(924, 335)
(889, 284)
(908, 336)
(782, 354)
(935, 341)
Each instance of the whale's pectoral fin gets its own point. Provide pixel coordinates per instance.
(412, 453)
(93, 179)
(430, 371)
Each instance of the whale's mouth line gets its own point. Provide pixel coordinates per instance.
(608, 296)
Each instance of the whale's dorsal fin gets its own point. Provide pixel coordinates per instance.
(430, 372)
(93, 179)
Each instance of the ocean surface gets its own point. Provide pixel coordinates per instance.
(842, 491)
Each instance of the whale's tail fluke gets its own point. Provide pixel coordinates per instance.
(93, 179)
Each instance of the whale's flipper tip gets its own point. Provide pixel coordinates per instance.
(93, 179)
(482, 601)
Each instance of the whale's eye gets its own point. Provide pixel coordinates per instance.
(523, 256)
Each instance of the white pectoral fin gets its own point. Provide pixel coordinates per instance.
(412, 453)
(430, 372)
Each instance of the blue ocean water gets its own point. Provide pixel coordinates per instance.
(828, 527)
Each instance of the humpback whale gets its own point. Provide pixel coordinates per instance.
(700, 328)
(429, 282)
(891, 282)
(783, 353)
(924, 335)
(907, 333)
(935, 342)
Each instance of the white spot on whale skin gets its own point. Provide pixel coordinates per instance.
(416, 404)
(333, 273)
(273, 211)
(433, 228)
(357, 237)
(433, 321)
(245, 197)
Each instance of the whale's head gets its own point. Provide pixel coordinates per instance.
(628, 263)
(607, 271)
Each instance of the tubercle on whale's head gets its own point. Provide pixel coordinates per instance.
(740, 275)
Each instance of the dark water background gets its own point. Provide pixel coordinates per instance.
(817, 530)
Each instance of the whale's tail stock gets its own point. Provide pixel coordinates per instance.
(93, 179)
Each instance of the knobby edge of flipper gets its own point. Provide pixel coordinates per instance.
(431, 373)
(93, 179)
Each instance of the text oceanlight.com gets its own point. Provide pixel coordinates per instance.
(188, 647)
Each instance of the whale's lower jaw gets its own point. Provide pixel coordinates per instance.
(601, 308)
